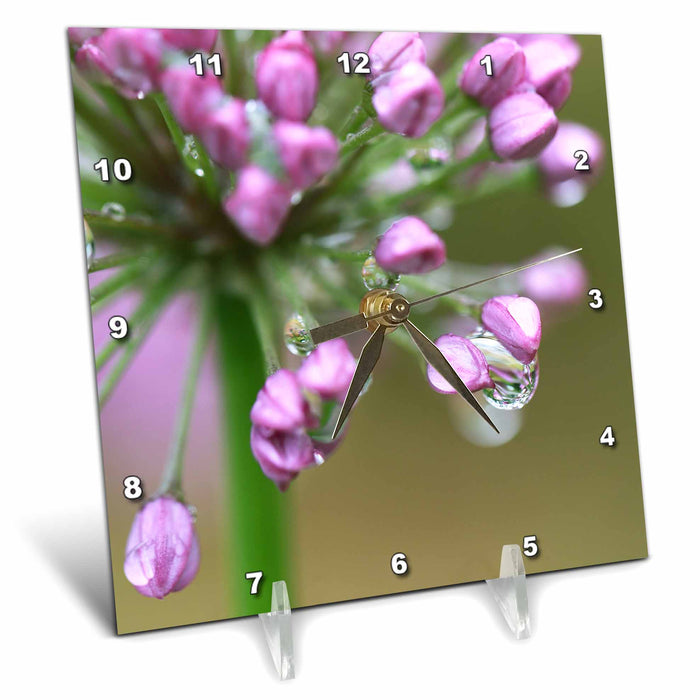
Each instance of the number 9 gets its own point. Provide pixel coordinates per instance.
(118, 327)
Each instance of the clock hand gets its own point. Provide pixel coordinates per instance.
(434, 357)
(368, 359)
(494, 277)
(345, 326)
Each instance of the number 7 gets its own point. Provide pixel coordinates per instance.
(255, 577)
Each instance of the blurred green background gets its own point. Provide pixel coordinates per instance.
(447, 504)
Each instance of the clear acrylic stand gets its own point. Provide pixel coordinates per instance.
(277, 625)
(510, 591)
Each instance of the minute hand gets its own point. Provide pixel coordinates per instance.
(493, 277)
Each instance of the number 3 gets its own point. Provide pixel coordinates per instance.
(597, 302)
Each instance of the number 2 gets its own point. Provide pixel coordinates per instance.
(582, 161)
(255, 577)
(487, 64)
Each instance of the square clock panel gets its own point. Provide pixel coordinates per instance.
(358, 312)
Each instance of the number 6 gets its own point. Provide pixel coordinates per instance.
(399, 565)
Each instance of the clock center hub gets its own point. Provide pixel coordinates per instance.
(395, 307)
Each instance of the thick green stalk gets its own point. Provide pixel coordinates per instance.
(258, 514)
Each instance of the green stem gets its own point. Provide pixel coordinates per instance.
(355, 120)
(259, 516)
(111, 261)
(149, 315)
(172, 476)
(107, 289)
(362, 137)
(265, 322)
(280, 275)
(333, 254)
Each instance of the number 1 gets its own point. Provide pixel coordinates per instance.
(487, 64)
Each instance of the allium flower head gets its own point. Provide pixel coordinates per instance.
(307, 153)
(287, 77)
(557, 161)
(508, 64)
(328, 370)
(516, 322)
(521, 126)
(410, 247)
(162, 551)
(410, 101)
(258, 205)
(281, 404)
(392, 50)
(468, 361)
(190, 39)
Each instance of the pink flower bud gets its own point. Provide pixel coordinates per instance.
(508, 68)
(466, 359)
(132, 58)
(409, 101)
(392, 50)
(328, 370)
(90, 59)
(409, 247)
(549, 62)
(281, 455)
(515, 321)
(162, 551)
(287, 77)
(307, 153)
(281, 405)
(562, 281)
(326, 42)
(191, 97)
(557, 161)
(225, 134)
(521, 126)
(190, 39)
(79, 35)
(258, 205)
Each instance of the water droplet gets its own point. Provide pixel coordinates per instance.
(375, 277)
(296, 197)
(114, 211)
(297, 337)
(516, 383)
(319, 458)
(199, 172)
(140, 95)
(189, 150)
(89, 244)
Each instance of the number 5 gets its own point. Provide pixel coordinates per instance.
(530, 548)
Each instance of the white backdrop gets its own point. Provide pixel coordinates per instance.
(599, 632)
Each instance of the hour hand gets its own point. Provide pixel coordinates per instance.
(368, 359)
(434, 357)
(337, 329)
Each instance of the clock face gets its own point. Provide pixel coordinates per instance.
(358, 313)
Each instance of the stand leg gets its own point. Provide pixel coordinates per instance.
(277, 625)
(510, 591)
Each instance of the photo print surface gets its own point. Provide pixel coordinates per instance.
(358, 312)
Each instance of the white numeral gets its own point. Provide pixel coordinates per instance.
(255, 577)
(118, 327)
(530, 548)
(132, 488)
(607, 438)
(361, 63)
(399, 565)
(597, 302)
(487, 64)
(582, 161)
(197, 60)
(121, 169)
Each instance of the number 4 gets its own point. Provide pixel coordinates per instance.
(255, 577)
(607, 438)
